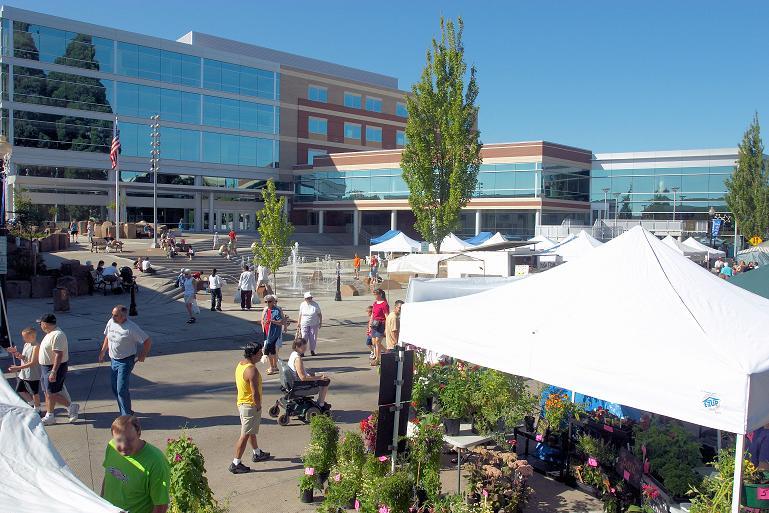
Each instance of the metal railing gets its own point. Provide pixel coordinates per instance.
(608, 229)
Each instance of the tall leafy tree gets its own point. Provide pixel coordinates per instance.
(275, 230)
(442, 156)
(747, 189)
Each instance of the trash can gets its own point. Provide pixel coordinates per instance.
(60, 299)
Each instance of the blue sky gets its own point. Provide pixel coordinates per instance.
(602, 75)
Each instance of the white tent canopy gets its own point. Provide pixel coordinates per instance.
(497, 238)
(401, 243)
(685, 249)
(35, 477)
(575, 246)
(541, 243)
(672, 338)
(418, 263)
(712, 252)
(453, 244)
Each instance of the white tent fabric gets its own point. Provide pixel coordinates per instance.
(575, 246)
(401, 243)
(542, 243)
(671, 338)
(684, 249)
(430, 289)
(494, 239)
(712, 252)
(453, 244)
(35, 477)
(418, 263)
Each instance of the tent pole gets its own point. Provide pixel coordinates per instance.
(739, 454)
(718, 440)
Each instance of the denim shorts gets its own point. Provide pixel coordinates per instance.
(55, 386)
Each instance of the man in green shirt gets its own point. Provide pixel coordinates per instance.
(136, 474)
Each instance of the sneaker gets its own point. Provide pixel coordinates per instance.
(190, 321)
(313, 353)
(239, 468)
(325, 407)
(262, 456)
(49, 420)
(73, 411)
(218, 308)
(371, 355)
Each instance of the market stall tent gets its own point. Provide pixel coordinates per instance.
(541, 243)
(756, 281)
(389, 234)
(452, 244)
(685, 250)
(426, 263)
(479, 239)
(671, 338)
(497, 238)
(712, 252)
(399, 243)
(35, 476)
(574, 246)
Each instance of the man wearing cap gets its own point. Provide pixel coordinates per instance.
(122, 338)
(188, 283)
(53, 358)
(310, 319)
(249, 384)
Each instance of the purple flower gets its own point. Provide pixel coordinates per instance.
(539, 438)
(384, 509)
(338, 477)
(485, 494)
(177, 457)
(592, 462)
(357, 505)
(309, 471)
(383, 458)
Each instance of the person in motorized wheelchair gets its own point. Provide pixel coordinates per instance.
(299, 386)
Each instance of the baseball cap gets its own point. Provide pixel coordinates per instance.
(307, 294)
(47, 318)
(269, 297)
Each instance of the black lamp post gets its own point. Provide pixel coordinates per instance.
(338, 296)
(132, 308)
(5, 156)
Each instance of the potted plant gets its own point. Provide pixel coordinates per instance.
(714, 494)
(324, 438)
(594, 453)
(498, 480)
(307, 484)
(374, 470)
(425, 460)
(368, 431)
(345, 479)
(455, 400)
(188, 486)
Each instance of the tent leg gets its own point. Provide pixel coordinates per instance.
(739, 454)
(718, 440)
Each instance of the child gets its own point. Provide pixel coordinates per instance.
(190, 252)
(29, 370)
(369, 344)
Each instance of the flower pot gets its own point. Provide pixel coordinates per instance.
(752, 495)
(306, 496)
(451, 426)
(421, 497)
(528, 423)
(471, 499)
(322, 478)
(351, 503)
(589, 489)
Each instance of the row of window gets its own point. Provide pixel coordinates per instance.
(239, 114)
(354, 100)
(319, 126)
(45, 44)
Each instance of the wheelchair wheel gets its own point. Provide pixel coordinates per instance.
(274, 411)
(311, 412)
(283, 420)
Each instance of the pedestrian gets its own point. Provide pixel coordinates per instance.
(89, 228)
(147, 266)
(296, 364)
(136, 473)
(356, 266)
(249, 402)
(233, 236)
(190, 252)
(369, 345)
(215, 288)
(379, 311)
(246, 285)
(111, 270)
(190, 289)
(73, 231)
(393, 326)
(262, 277)
(758, 447)
(123, 338)
(310, 320)
(726, 271)
(374, 272)
(28, 386)
(216, 240)
(53, 358)
(273, 322)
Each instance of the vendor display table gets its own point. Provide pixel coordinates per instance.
(464, 440)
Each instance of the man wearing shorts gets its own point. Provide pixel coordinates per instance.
(273, 323)
(188, 283)
(249, 384)
(53, 358)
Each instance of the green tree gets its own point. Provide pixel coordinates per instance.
(442, 155)
(747, 190)
(275, 230)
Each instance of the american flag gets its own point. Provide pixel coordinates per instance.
(115, 149)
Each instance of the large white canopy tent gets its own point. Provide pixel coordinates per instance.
(541, 243)
(400, 243)
(672, 338)
(712, 252)
(423, 263)
(685, 250)
(35, 476)
(497, 238)
(453, 244)
(574, 247)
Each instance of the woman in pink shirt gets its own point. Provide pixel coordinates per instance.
(379, 311)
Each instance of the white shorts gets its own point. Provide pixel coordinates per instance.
(189, 298)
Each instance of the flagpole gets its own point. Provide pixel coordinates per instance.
(117, 188)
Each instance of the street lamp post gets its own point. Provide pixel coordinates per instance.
(338, 296)
(605, 202)
(6, 149)
(154, 158)
(616, 212)
(675, 192)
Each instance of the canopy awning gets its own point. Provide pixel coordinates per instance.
(480, 238)
(684, 249)
(712, 252)
(423, 263)
(574, 246)
(399, 243)
(385, 236)
(452, 244)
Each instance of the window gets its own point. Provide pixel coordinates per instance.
(351, 131)
(400, 138)
(46, 44)
(374, 104)
(317, 94)
(311, 154)
(400, 110)
(32, 85)
(318, 126)
(373, 134)
(233, 78)
(352, 100)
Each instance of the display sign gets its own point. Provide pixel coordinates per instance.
(629, 467)
(755, 240)
(521, 270)
(716, 227)
(425, 247)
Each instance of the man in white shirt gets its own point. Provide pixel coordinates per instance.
(111, 270)
(215, 287)
(122, 338)
(53, 358)
(261, 276)
(247, 285)
(310, 319)
(147, 266)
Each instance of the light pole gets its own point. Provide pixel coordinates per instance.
(616, 211)
(605, 201)
(154, 158)
(675, 192)
(6, 149)
(338, 296)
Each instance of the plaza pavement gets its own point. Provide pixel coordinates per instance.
(188, 382)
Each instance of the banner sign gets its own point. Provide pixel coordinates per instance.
(717, 223)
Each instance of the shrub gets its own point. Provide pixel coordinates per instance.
(189, 489)
(673, 454)
(345, 480)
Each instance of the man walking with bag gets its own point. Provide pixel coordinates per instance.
(310, 319)
(127, 343)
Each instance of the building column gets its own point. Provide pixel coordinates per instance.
(394, 220)
(321, 219)
(477, 222)
(537, 222)
(355, 227)
(211, 226)
(198, 212)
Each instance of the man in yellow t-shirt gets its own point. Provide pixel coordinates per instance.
(249, 383)
(393, 326)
